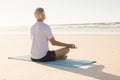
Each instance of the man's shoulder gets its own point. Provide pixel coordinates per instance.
(41, 26)
(45, 25)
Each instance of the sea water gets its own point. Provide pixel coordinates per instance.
(91, 28)
(88, 28)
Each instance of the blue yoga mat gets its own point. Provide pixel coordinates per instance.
(67, 62)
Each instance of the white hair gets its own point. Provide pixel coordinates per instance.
(37, 12)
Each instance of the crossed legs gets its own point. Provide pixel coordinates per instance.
(61, 53)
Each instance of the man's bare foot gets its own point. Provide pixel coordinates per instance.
(62, 57)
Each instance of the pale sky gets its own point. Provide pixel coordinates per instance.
(20, 12)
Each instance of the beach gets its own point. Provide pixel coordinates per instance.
(103, 48)
(93, 26)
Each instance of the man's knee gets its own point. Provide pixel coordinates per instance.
(67, 50)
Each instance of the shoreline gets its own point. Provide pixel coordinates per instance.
(82, 33)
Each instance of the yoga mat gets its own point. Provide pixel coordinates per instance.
(66, 62)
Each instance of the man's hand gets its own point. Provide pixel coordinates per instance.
(71, 46)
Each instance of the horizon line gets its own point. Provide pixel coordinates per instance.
(115, 22)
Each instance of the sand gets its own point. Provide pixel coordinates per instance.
(103, 48)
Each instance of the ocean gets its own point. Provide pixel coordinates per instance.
(87, 28)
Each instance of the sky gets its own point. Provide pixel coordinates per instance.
(21, 12)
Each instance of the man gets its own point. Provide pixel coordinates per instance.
(41, 34)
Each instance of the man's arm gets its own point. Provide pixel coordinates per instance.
(57, 43)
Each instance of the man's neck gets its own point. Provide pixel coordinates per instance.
(40, 20)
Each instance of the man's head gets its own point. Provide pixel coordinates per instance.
(40, 14)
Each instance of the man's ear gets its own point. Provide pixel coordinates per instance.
(40, 16)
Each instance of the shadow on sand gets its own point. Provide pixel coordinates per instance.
(95, 71)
